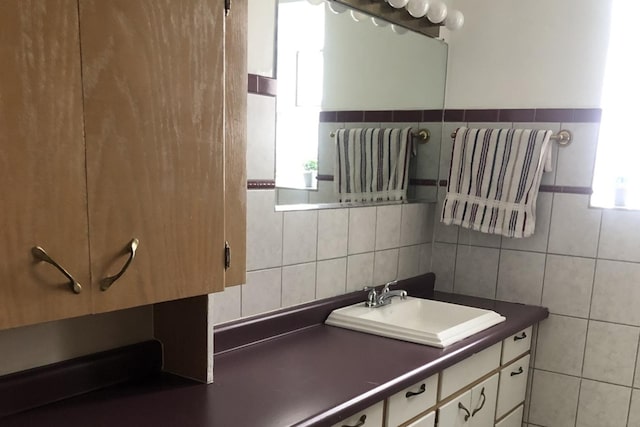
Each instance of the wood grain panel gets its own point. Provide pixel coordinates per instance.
(236, 140)
(154, 101)
(42, 166)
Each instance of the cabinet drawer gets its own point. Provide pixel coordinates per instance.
(370, 417)
(411, 401)
(514, 419)
(516, 345)
(428, 420)
(467, 371)
(513, 385)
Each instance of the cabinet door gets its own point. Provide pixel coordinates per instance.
(456, 413)
(153, 77)
(236, 140)
(483, 402)
(42, 165)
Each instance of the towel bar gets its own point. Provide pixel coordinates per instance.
(563, 137)
(423, 134)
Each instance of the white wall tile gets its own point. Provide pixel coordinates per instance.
(409, 262)
(388, 227)
(634, 412)
(443, 233)
(325, 193)
(261, 136)
(602, 404)
(413, 228)
(476, 238)
(264, 231)
(359, 271)
(300, 237)
(610, 354)
(476, 271)
(262, 292)
(620, 239)
(520, 276)
(554, 399)
(560, 345)
(385, 266)
(289, 196)
(298, 284)
(574, 226)
(426, 254)
(333, 228)
(227, 304)
(616, 292)
(362, 230)
(538, 241)
(331, 278)
(576, 160)
(636, 381)
(428, 155)
(568, 283)
(443, 265)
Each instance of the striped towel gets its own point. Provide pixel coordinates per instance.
(372, 164)
(494, 179)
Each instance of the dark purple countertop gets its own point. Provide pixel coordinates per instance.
(316, 375)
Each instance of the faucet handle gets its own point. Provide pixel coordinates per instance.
(386, 286)
(372, 296)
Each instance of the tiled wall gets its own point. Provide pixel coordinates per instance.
(584, 264)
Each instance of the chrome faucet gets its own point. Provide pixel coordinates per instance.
(375, 299)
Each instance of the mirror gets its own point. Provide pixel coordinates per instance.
(335, 72)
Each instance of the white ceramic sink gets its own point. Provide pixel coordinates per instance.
(416, 320)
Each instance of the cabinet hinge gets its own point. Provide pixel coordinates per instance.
(227, 7)
(227, 255)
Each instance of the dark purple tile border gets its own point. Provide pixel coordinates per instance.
(350, 116)
(378, 116)
(517, 115)
(554, 115)
(239, 333)
(328, 117)
(261, 85)
(323, 177)
(47, 384)
(432, 115)
(481, 115)
(261, 184)
(423, 182)
(407, 116)
(561, 189)
(587, 115)
(453, 115)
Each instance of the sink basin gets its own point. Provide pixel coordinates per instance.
(417, 320)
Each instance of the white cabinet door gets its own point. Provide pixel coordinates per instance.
(483, 402)
(514, 419)
(428, 420)
(456, 413)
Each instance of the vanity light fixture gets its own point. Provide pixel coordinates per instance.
(398, 3)
(454, 20)
(418, 8)
(336, 7)
(437, 12)
(358, 16)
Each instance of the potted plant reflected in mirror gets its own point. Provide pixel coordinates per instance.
(310, 170)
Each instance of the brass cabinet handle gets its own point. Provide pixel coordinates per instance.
(41, 255)
(106, 283)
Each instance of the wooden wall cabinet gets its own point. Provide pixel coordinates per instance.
(112, 127)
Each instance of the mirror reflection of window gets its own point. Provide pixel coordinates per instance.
(617, 174)
(300, 75)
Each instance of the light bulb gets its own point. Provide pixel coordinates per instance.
(358, 16)
(454, 20)
(418, 8)
(379, 22)
(398, 29)
(315, 2)
(398, 3)
(336, 7)
(437, 12)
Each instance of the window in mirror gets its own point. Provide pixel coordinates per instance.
(616, 181)
(300, 75)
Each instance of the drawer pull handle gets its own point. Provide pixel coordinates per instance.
(520, 337)
(132, 246)
(484, 399)
(40, 255)
(467, 413)
(421, 390)
(360, 422)
(518, 372)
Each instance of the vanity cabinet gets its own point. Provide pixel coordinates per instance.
(473, 408)
(113, 129)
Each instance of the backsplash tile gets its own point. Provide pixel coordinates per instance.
(359, 271)
(388, 227)
(227, 305)
(520, 277)
(620, 239)
(362, 226)
(262, 292)
(554, 399)
(413, 228)
(634, 412)
(444, 265)
(333, 227)
(568, 284)
(409, 262)
(385, 266)
(476, 271)
(299, 237)
(298, 283)
(264, 231)
(331, 278)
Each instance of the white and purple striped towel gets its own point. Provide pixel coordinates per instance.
(494, 179)
(372, 164)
